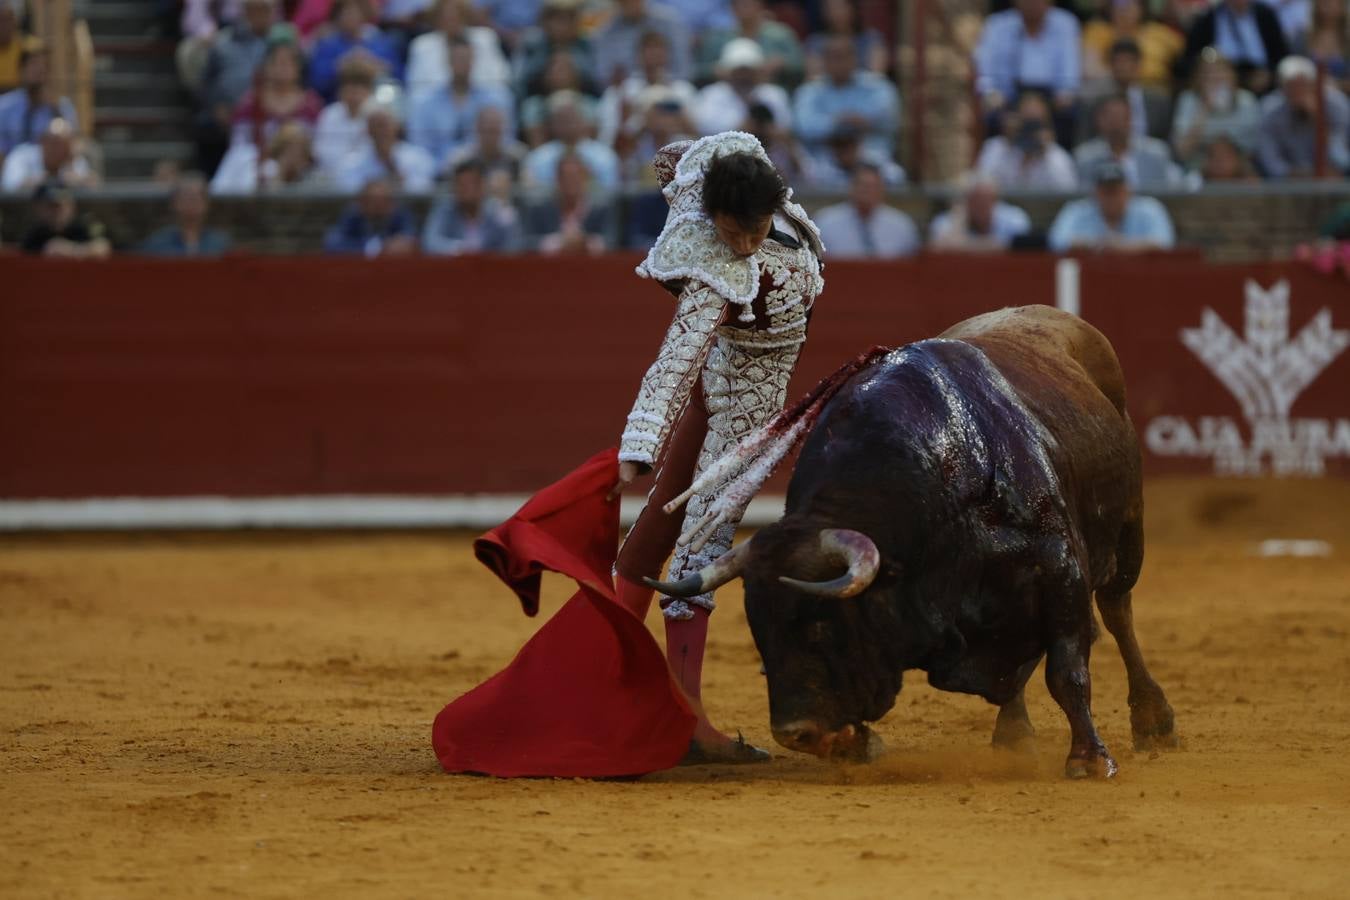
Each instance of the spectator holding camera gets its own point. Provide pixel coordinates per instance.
(1026, 156)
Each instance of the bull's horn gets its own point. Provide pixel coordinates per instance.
(845, 546)
(725, 568)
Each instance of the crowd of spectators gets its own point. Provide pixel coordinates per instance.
(525, 117)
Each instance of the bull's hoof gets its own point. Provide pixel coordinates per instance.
(1149, 742)
(1099, 765)
(1019, 737)
(728, 753)
(1153, 725)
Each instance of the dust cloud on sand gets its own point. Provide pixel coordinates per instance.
(249, 715)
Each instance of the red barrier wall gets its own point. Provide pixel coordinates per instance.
(312, 376)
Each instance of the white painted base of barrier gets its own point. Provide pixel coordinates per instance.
(327, 512)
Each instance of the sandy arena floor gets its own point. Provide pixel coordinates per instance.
(249, 715)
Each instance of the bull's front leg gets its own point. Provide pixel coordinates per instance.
(1066, 674)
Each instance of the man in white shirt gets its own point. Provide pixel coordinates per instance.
(52, 156)
(1026, 156)
(406, 165)
(1032, 46)
(978, 222)
(341, 133)
(725, 105)
(864, 227)
(429, 54)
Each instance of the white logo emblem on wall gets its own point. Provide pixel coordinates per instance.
(1266, 371)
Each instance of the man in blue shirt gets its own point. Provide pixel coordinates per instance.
(375, 225)
(354, 34)
(847, 98)
(1031, 46)
(188, 236)
(469, 221)
(442, 121)
(1112, 219)
(26, 111)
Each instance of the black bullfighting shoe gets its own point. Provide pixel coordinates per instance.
(730, 753)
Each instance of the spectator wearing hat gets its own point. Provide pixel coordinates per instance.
(354, 33)
(1247, 33)
(618, 44)
(570, 220)
(12, 41)
(979, 222)
(376, 224)
(864, 227)
(622, 107)
(442, 120)
(847, 97)
(341, 133)
(1025, 156)
(58, 230)
(1147, 162)
(389, 157)
(725, 104)
(1287, 146)
(492, 148)
(1113, 218)
(53, 156)
(27, 111)
(469, 221)
(429, 54)
(1150, 108)
(559, 31)
(568, 126)
(1033, 46)
(1213, 107)
(188, 235)
(287, 163)
(782, 53)
(1159, 45)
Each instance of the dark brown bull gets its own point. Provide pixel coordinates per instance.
(953, 510)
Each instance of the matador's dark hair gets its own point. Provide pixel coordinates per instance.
(744, 187)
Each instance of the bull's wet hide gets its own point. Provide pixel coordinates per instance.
(997, 473)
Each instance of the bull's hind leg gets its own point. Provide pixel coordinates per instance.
(1013, 730)
(1151, 717)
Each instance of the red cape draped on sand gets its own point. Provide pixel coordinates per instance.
(590, 694)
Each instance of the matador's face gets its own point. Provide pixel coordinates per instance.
(743, 241)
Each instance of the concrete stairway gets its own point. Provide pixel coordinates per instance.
(142, 114)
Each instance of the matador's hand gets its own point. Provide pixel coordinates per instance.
(628, 471)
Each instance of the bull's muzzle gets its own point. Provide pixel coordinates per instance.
(852, 743)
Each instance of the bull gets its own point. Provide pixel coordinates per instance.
(953, 510)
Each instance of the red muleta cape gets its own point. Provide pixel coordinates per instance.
(590, 694)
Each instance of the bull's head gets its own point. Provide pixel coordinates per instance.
(820, 619)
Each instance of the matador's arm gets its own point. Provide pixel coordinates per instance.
(666, 386)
